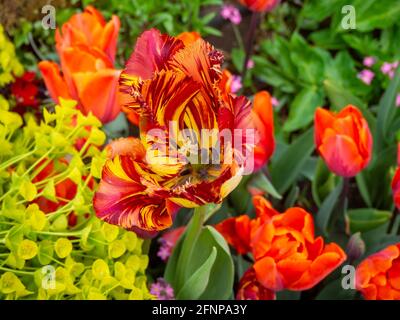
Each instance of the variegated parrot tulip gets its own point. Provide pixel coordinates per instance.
(184, 114)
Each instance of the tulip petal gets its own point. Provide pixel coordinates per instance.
(341, 155)
(264, 123)
(123, 200)
(152, 53)
(130, 146)
(268, 275)
(109, 37)
(323, 120)
(236, 232)
(323, 265)
(55, 83)
(251, 289)
(97, 93)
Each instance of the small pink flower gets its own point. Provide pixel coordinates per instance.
(275, 102)
(386, 68)
(391, 74)
(395, 65)
(250, 64)
(231, 13)
(366, 76)
(162, 290)
(236, 84)
(398, 100)
(165, 250)
(369, 61)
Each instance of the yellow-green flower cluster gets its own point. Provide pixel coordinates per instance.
(9, 64)
(42, 254)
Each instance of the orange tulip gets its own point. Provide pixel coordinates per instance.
(237, 232)
(343, 140)
(189, 37)
(260, 5)
(263, 118)
(378, 276)
(396, 188)
(286, 253)
(90, 29)
(251, 289)
(86, 47)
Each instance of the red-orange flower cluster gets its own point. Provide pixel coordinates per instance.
(25, 89)
(343, 140)
(286, 253)
(86, 46)
(378, 276)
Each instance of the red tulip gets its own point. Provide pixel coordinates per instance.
(343, 140)
(396, 188)
(260, 5)
(378, 276)
(287, 254)
(263, 118)
(251, 289)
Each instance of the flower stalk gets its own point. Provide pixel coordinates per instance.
(255, 18)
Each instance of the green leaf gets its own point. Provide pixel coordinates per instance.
(269, 73)
(237, 56)
(197, 283)
(260, 181)
(49, 191)
(46, 251)
(335, 291)
(361, 220)
(363, 188)
(324, 182)
(386, 111)
(372, 14)
(309, 61)
(222, 274)
(340, 97)
(192, 233)
(286, 168)
(303, 107)
(325, 211)
(292, 197)
(27, 190)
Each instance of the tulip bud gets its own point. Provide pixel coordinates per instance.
(355, 247)
(343, 140)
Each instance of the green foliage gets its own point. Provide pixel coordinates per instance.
(201, 266)
(9, 64)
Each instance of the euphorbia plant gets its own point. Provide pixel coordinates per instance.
(44, 182)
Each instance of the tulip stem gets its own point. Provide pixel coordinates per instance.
(392, 221)
(250, 41)
(344, 197)
(192, 233)
(342, 204)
